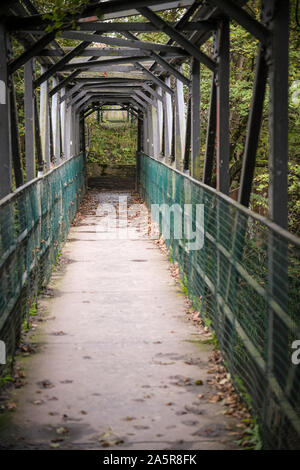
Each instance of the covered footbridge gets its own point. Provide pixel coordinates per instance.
(245, 276)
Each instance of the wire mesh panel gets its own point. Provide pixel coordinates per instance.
(245, 280)
(34, 221)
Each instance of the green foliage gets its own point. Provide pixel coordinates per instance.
(26, 325)
(33, 310)
(111, 143)
(251, 439)
(6, 379)
(58, 12)
(259, 199)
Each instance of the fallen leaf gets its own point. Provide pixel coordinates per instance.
(45, 384)
(214, 399)
(54, 445)
(198, 382)
(11, 406)
(62, 430)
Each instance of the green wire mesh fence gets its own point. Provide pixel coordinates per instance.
(34, 221)
(245, 281)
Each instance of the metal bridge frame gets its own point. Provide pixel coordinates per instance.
(149, 84)
(148, 81)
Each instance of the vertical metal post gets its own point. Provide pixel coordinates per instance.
(145, 134)
(55, 122)
(6, 171)
(276, 17)
(38, 144)
(223, 145)
(139, 150)
(44, 120)
(68, 125)
(50, 134)
(73, 133)
(187, 151)
(179, 124)
(140, 134)
(155, 131)
(210, 136)
(15, 144)
(195, 120)
(168, 119)
(160, 122)
(150, 131)
(77, 134)
(253, 128)
(29, 120)
(278, 112)
(173, 138)
(63, 124)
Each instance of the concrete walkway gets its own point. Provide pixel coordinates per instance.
(118, 363)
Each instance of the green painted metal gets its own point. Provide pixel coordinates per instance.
(245, 282)
(34, 222)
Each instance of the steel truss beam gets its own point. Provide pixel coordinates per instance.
(6, 164)
(29, 120)
(104, 91)
(153, 77)
(30, 53)
(177, 37)
(210, 135)
(253, 128)
(185, 18)
(114, 52)
(106, 84)
(223, 147)
(162, 62)
(77, 35)
(195, 120)
(115, 6)
(138, 27)
(236, 13)
(278, 57)
(60, 64)
(107, 62)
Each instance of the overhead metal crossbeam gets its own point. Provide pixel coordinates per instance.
(107, 62)
(59, 65)
(112, 52)
(160, 61)
(32, 52)
(181, 23)
(153, 77)
(233, 11)
(117, 41)
(105, 84)
(105, 8)
(178, 37)
(138, 27)
(140, 70)
(103, 91)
